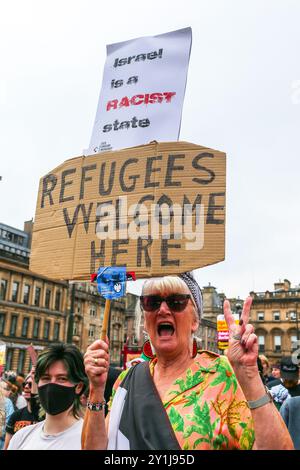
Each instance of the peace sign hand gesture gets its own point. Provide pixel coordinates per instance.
(243, 347)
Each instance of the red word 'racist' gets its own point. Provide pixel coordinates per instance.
(147, 98)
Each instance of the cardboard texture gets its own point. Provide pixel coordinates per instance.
(88, 194)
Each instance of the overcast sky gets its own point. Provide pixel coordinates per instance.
(242, 97)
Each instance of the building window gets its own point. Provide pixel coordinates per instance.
(93, 311)
(48, 298)
(276, 316)
(13, 325)
(46, 329)
(9, 358)
(79, 307)
(56, 331)
(292, 316)
(261, 343)
(75, 329)
(260, 316)
(21, 360)
(2, 323)
(277, 343)
(25, 326)
(15, 291)
(3, 289)
(294, 342)
(92, 331)
(37, 296)
(26, 294)
(57, 300)
(36, 328)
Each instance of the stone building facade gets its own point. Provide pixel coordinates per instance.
(32, 310)
(36, 309)
(275, 317)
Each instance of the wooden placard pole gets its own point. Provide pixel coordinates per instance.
(105, 319)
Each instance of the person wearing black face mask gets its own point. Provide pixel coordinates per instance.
(61, 379)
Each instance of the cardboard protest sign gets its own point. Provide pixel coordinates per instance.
(142, 91)
(156, 209)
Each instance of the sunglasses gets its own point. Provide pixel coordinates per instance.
(27, 383)
(175, 302)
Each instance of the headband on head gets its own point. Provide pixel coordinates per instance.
(190, 281)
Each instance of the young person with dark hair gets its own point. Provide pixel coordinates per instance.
(61, 379)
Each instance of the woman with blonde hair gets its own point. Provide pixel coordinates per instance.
(183, 398)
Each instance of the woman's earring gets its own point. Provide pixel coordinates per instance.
(195, 348)
(147, 350)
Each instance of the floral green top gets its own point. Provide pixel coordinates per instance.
(206, 407)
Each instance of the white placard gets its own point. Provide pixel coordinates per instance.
(142, 91)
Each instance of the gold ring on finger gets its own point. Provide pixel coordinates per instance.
(95, 361)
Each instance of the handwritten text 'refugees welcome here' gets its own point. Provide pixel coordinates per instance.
(154, 179)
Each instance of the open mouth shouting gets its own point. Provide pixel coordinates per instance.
(165, 329)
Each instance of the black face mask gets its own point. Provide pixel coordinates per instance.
(56, 398)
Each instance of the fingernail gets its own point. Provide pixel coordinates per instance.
(241, 321)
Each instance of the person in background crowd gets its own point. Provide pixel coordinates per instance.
(27, 415)
(266, 368)
(14, 383)
(289, 386)
(183, 398)
(275, 373)
(61, 379)
(275, 376)
(6, 410)
(290, 412)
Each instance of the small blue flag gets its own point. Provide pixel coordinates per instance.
(111, 282)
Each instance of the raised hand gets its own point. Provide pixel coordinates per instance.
(96, 361)
(243, 346)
